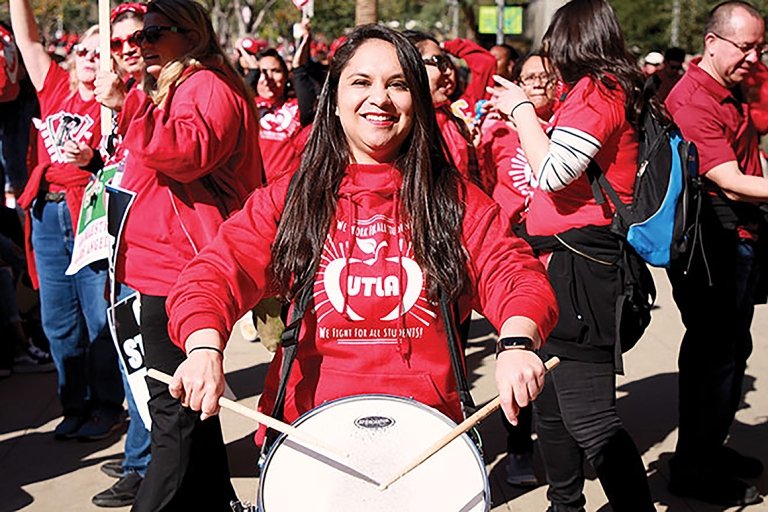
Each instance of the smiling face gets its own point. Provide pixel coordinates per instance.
(272, 79)
(87, 64)
(374, 104)
(128, 55)
(169, 47)
(728, 64)
(442, 83)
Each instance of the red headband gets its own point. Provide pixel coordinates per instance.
(133, 7)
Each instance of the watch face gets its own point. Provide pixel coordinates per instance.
(515, 342)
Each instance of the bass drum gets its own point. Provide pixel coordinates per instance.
(380, 434)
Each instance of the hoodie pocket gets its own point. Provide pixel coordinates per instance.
(333, 384)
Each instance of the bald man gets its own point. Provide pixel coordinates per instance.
(715, 296)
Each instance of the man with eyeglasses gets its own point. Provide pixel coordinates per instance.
(716, 295)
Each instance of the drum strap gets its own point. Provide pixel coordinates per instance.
(290, 344)
(457, 361)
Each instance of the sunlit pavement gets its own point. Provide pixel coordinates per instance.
(40, 474)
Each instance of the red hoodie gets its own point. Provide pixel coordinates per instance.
(281, 136)
(354, 338)
(190, 163)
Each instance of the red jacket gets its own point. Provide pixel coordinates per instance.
(482, 66)
(354, 339)
(191, 164)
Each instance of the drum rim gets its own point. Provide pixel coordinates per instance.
(378, 396)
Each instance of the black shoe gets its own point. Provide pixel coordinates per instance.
(725, 491)
(101, 425)
(122, 494)
(113, 468)
(733, 463)
(68, 427)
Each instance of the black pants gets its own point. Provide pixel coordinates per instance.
(715, 347)
(189, 468)
(576, 417)
(519, 437)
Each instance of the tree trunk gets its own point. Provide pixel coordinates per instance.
(365, 12)
(470, 19)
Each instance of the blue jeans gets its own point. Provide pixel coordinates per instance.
(137, 439)
(74, 317)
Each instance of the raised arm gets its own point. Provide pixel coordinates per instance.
(25, 31)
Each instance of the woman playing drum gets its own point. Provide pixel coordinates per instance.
(377, 222)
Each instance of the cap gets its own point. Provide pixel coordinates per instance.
(654, 58)
(252, 45)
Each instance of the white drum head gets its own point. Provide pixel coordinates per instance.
(381, 434)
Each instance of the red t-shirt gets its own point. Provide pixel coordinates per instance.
(281, 137)
(500, 148)
(716, 121)
(592, 108)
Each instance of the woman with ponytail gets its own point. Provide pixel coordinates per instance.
(193, 157)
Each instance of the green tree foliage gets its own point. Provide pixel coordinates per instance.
(647, 23)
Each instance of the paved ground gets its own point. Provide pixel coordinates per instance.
(40, 474)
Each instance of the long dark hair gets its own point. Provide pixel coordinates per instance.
(585, 39)
(430, 191)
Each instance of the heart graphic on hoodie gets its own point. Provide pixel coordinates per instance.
(373, 284)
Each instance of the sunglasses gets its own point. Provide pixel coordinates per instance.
(441, 62)
(116, 43)
(82, 51)
(155, 33)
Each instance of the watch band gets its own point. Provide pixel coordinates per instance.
(514, 343)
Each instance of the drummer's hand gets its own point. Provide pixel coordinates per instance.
(519, 379)
(198, 382)
(77, 153)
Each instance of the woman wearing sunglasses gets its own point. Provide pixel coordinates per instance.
(597, 121)
(73, 307)
(193, 157)
(442, 83)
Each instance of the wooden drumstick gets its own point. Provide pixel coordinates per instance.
(307, 440)
(461, 428)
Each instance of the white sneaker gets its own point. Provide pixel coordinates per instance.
(33, 360)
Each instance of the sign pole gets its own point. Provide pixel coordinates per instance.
(105, 61)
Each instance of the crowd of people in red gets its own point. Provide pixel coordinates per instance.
(382, 194)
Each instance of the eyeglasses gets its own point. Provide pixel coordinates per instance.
(116, 43)
(441, 62)
(538, 78)
(82, 51)
(745, 48)
(153, 34)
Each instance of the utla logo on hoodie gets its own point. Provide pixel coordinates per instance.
(369, 289)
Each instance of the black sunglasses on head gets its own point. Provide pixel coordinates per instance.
(441, 62)
(154, 33)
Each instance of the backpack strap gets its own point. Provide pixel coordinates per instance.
(602, 187)
(451, 331)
